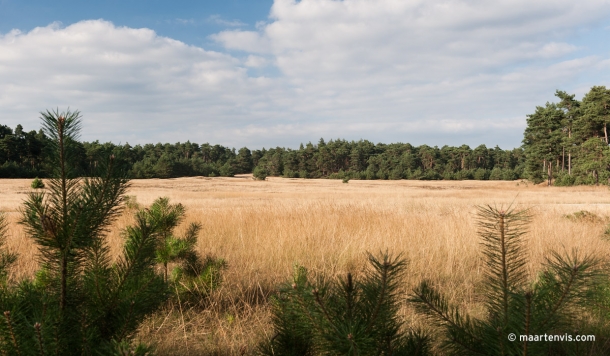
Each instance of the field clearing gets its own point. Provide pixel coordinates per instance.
(262, 228)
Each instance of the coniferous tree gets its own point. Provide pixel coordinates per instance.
(80, 302)
(571, 109)
(192, 276)
(344, 317)
(6, 258)
(554, 304)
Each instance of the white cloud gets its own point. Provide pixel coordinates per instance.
(249, 41)
(420, 71)
(218, 20)
(256, 62)
(425, 65)
(185, 21)
(130, 84)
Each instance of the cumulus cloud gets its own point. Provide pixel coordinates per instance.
(255, 62)
(427, 65)
(420, 71)
(130, 84)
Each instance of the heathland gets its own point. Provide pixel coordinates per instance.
(263, 228)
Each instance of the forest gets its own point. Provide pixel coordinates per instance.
(565, 143)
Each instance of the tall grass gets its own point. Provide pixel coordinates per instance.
(262, 228)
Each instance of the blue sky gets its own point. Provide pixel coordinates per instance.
(266, 73)
(187, 21)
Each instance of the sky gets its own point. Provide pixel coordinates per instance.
(266, 73)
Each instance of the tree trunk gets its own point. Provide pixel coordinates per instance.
(563, 158)
(596, 177)
(606, 133)
(550, 174)
(543, 166)
(570, 152)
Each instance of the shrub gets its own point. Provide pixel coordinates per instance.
(553, 304)
(260, 173)
(495, 174)
(80, 302)
(343, 317)
(192, 277)
(481, 174)
(583, 216)
(37, 183)
(564, 179)
(509, 174)
(227, 170)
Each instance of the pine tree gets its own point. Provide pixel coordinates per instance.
(6, 258)
(192, 277)
(344, 317)
(80, 302)
(552, 305)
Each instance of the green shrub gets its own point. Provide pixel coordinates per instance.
(509, 174)
(583, 216)
(481, 174)
(495, 174)
(80, 301)
(192, 277)
(260, 173)
(554, 304)
(37, 183)
(343, 317)
(564, 179)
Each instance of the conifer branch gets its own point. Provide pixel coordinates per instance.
(382, 295)
(37, 327)
(528, 315)
(7, 316)
(437, 307)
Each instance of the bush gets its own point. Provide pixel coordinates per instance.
(564, 180)
(509, 174)
(260, 173)
(343, 317)
(495, 174)
(481, 174)
(465, 174)
(430, 175)
(227, 170)
(192, 277)
(554, 304)
(80, 301)
(583, 216)
(37, 183)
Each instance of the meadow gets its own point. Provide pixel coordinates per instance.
(263, 228)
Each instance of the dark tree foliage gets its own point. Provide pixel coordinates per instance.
(24, 155)
(566, 143)
(340, 159)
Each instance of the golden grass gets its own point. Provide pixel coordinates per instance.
(262, 228)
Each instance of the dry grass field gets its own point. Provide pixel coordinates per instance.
(262, 228)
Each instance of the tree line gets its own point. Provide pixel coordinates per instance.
(22, 156)
(565, 143)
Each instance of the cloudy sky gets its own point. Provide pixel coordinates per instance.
(263, 73)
